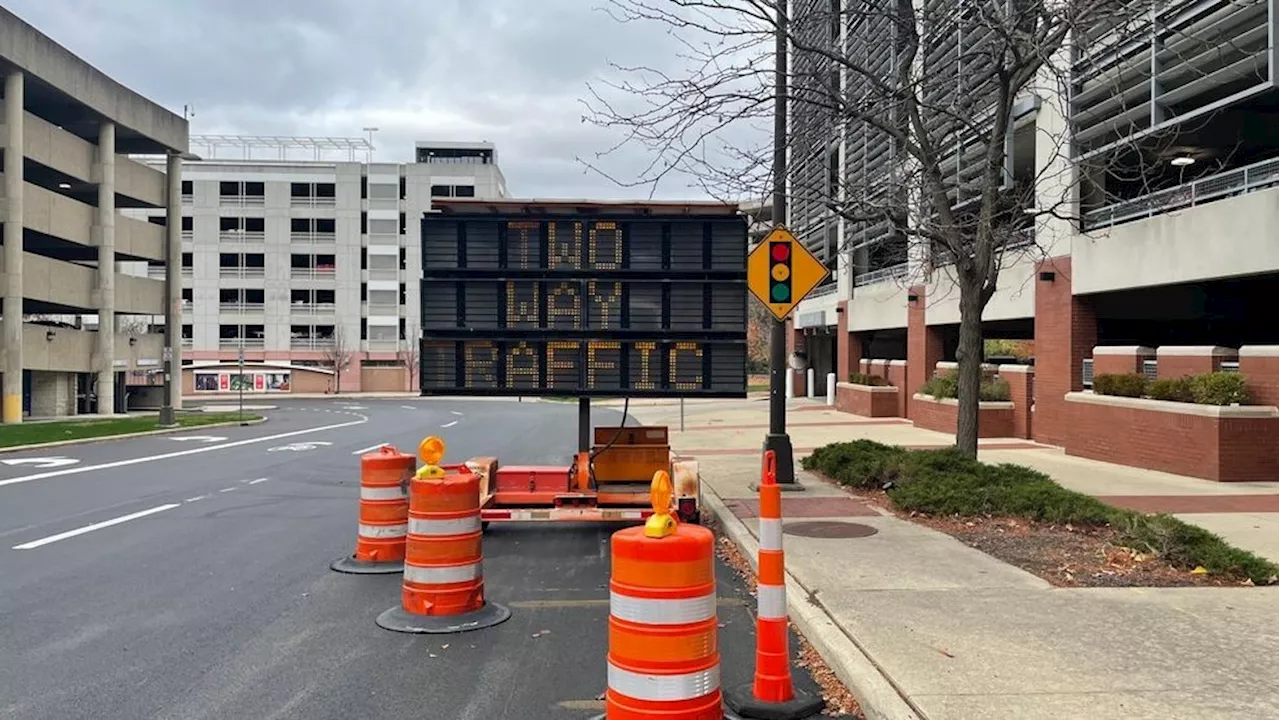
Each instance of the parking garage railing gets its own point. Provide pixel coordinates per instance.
(1251, 178)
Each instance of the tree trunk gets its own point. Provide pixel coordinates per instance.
(969, 374)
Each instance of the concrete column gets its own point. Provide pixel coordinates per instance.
(11, 337)
(173, 282)
(106, 226)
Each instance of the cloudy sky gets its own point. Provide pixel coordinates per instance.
(509, 71)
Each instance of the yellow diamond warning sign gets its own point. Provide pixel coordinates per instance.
(781, 272)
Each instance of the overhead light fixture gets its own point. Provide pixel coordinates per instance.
(64, 186)
(1182, 161)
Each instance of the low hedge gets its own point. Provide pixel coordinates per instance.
(946, 385)
(1215, 388)
(858, 378)
(946, 482)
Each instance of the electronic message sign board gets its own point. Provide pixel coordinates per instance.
(582, 299)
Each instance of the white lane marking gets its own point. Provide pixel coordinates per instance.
(180, 453)
(455, 412)
(227, 489)
(449, 425)
(90, 528)
(259, 480)
(362, 451)
(300, 447)
(42, 462)
(201, 438)
(408, 407)
(196, 498)
(352, 407)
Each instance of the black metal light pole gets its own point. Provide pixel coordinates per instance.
(777, 440)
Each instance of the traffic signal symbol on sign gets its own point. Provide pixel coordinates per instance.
(781, 272)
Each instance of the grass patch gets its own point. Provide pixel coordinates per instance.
(758, 387)
(946, 483)
(36, 433)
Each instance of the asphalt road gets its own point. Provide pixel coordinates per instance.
(212, 598)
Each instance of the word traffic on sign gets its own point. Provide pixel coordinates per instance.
(581, 299)
(781, 272)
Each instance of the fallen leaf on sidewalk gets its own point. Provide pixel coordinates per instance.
(944, 652)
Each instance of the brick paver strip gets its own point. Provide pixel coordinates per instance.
(1194, 503)
(749, 508)
(827, 423)
(694, 453)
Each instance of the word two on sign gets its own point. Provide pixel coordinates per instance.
(580, 299)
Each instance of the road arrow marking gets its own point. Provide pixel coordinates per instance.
(449, 425)
(201, 438)
(42, 462)
(299, 447)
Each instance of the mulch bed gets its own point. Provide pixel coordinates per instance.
(1064, 555)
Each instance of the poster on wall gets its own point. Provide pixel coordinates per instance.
(251, 382)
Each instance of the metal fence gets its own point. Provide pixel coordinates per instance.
(877, 276)
(1247, 179)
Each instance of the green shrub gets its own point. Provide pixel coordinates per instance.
(946, 482)
(947, 386)
(1175, 390)
(1219, 388)
(1122, 385)
(858, 378)
(941, 386)
(996, 390)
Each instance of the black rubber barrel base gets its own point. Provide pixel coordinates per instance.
(802, 706)
(352, 566)
(400, 621)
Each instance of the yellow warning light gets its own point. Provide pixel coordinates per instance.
(431, 450)
(661, 523)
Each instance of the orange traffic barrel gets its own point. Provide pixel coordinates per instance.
(384, 513)
(664, 660)
(771, 693)
(443, 588)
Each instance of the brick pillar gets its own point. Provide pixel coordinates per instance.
(898, 378)
(924, 345)
(1125, 360)
(848, 344)
(1066, 331)
(1259, 365)
(1020, 379)
(1175, 361)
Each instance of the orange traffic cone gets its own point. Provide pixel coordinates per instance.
(771, 695)
(443, 588)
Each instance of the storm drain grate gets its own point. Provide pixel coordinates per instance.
(828, 529)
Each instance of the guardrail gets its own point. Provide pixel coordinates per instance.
(823, 290)
(315, 202)
(241, 272)
(310, 343)
(242, 200)
(313, 238)
(311, 273)
(255, 237)
(240, 307)
(1243, 180)
(880, 275)
(312, 308)
(237, 343)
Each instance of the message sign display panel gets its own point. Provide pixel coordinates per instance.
(583, 301)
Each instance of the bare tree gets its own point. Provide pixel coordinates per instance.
(338, 356)
(409, 354)
(931, 97)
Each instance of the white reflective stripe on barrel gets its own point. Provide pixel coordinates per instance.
(393, 492)
(382, 531)
(439, 574)
(772, 601)
(770, 534)
(652, 611)
(454, 526)
(658, 688)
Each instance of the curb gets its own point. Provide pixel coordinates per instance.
(126, 436)
(876, 694)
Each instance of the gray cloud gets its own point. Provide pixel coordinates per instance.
(509, 71)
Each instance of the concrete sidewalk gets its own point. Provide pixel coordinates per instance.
(919, 625)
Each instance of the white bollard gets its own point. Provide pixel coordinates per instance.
(811, 387)
(791, 383)
(831, 388)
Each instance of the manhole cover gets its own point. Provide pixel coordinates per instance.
(829, 529)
